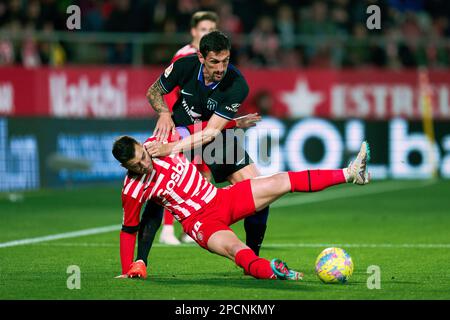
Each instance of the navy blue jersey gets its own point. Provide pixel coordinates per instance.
(198, 102)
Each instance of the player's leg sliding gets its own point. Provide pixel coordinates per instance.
(317, 180)
(261, 268)
(253, 265)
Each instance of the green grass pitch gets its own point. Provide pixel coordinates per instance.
(400, 226)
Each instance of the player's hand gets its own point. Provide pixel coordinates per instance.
(158, 149)
(137, 270)
(164, 126)
(247, 121)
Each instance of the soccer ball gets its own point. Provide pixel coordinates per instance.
(334, 265)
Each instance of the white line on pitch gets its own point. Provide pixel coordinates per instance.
(66, 235)
(286, 202)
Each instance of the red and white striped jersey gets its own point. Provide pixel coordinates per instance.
(174, 182)
(183, 52)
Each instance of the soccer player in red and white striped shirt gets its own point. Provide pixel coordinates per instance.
(206, 212)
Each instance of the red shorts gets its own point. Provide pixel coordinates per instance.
(231, 204)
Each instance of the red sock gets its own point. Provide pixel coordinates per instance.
(168, 217)
(254, 265)
(127, 243)
(315, 180)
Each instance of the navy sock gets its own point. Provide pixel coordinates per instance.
(150, 222)
(255, 229)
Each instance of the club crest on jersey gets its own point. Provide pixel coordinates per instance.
(168, 70)
(211, 104)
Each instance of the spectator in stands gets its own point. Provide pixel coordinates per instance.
(264, 42)
(358, 50)
(315, 21)
(340, 16)
(3, 13)
(93, 16)
(415, 31)
(121, 19)
(230, 23)
(411, 51)
(6, 52)
(285, 26)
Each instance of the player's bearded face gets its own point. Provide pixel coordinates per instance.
(215, 65)
(142, 162)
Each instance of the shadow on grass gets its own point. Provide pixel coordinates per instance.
(225, 281)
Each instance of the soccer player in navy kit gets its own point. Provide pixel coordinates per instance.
(211, 90)
(202, 22)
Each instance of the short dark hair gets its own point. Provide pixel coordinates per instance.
(202, 16)
(214, 41)
(123, 149)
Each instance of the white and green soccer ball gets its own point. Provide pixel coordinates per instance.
(334, 265)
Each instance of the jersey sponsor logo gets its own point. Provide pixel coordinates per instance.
(234, 107)
(211, 104)
(189, 110)
(186, 93)
(168, 70)
(175, 176)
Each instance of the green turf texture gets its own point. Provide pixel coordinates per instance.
(300, 226)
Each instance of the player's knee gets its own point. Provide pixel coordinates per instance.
(248, 172)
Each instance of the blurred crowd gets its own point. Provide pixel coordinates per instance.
(269, 33)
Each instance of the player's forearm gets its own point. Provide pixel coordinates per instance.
(194, 141)
(155, 98)
(202, 125)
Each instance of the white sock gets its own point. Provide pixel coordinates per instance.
(168, 228)
(346, 174)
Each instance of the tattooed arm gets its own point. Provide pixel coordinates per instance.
(155, 97)
(165, 123)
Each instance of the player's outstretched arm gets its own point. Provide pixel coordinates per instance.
(247, 121)
(215, 125)
(244, 122)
